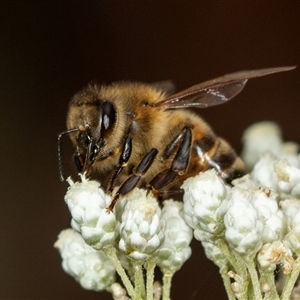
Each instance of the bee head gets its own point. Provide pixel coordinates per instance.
(90, 125)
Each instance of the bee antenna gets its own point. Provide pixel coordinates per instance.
(60, 152)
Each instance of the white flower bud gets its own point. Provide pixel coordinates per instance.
(273, 254)
(142, 228)
(266, 288)
(205, 202)
(118, 293)
(236, 285)
(290, 152)
(175, 249)
(91, 268)
(263, 172)
(87, 203)
(243, 226)
(260, 138)
(278, 174)
(264, 201)
(291, 211)
(288, 179)
(236, 288)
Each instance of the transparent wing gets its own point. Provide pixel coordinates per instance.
(215, 91)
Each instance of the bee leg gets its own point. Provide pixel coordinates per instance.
(125, 155)
(131, 182)
(179, 164)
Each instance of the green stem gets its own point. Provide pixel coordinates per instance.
(150, 266)
(241, 267)
(111, 253)
(290, 280)
(254, 279)
(227, 283)
(269, 279)
(243, 284)
(139, 281)
(167, 279)
(238, 267)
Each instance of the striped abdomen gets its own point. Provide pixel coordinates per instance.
(213, 152)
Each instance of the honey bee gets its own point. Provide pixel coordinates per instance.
(143, 136)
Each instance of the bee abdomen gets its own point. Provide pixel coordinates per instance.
(225, 161)
(216, 153)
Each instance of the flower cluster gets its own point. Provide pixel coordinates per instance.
(134, 238)
(250, 229)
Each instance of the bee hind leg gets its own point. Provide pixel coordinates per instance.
(179, 163)
(132, 181)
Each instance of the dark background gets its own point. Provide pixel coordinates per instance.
(50, 50)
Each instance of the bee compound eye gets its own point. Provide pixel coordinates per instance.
(108, 118)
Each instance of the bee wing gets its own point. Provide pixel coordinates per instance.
(215, 91)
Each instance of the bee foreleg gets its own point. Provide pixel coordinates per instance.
(131, 182)
(179, 163)
(125, 155)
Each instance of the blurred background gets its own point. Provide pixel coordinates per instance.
(50, 50)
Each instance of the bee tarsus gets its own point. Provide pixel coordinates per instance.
(131, 182)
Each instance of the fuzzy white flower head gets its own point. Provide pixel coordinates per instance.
(205, 202)
(91, 268)
(273, 254)
(259, 138)
(290, 152)
(258, 206)
(278, 174)
(264, 200)
(243, 225)
(291, 211)
(175, 250)
(118, 293)
(88, 204)
(288, 179)
(263, 172)
(142, 228)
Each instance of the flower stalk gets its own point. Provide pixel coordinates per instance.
(111, 253)
(167, 279)
(150, 267)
